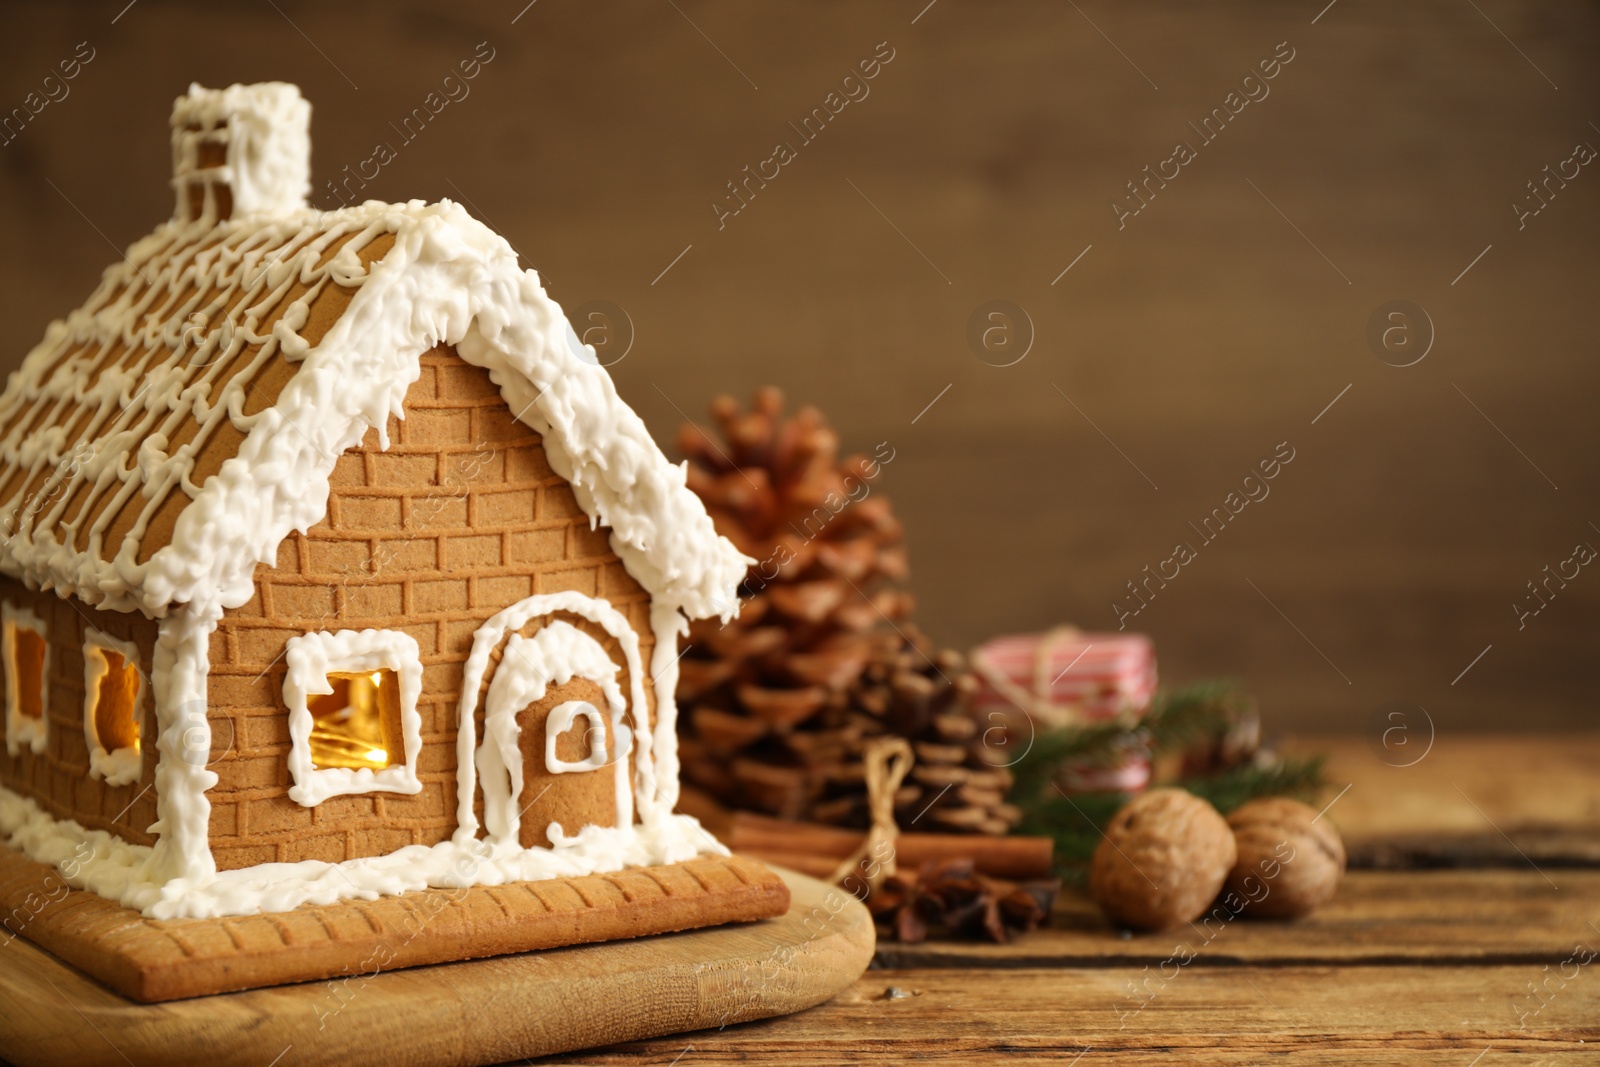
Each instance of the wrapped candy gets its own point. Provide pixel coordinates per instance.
(1064, 678)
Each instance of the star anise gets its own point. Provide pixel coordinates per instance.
(950, 896)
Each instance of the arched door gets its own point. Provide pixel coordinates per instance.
(556, 714)
(562, 747)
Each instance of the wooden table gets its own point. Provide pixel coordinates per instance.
(1460, 937)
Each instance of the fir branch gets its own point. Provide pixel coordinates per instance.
(1100, 743)
(1204, 710)
(1076, 824)
(1298, 778)
(1175, 721)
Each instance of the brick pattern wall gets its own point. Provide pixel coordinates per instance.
(58, 778)
(460, 518)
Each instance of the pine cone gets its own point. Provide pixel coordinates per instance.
(912, 690)
(780, 703)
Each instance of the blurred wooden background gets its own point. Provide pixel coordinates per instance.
(1174, 355)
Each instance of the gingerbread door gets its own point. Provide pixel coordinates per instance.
(555, 718)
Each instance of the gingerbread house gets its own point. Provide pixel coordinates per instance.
(333, 565)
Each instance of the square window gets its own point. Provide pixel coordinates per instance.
(357, 724)
(27, 664)
(113, 688)
(353, 721)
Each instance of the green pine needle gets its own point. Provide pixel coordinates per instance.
(1298, 778)
(1204, 710)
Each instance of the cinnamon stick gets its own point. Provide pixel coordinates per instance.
(806, 863)
(810, 848)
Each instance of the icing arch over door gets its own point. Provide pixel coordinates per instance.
(564, 759)
(558, 677)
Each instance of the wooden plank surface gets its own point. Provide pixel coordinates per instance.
(470, 1013)
(1432, 918)
(1401, 965)
(1395, 544)
(1232, 1016)
(1465, 784)
(1444, 798)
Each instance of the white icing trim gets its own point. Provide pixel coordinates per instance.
(111, 867)
(659, 528)
(181, 856)
(668, 626)
(555, 655)
(562, 716)
(24, 729)
(120, 766)
(94, 860)
(311, 658)
(505, 782)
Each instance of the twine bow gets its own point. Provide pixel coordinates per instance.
(887, 760)
(1038, 703)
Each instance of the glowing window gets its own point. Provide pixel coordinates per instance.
(353, 721)
(27, 665)
(357, 724)
(112, 686)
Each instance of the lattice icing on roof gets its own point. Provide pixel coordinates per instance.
(116, 419)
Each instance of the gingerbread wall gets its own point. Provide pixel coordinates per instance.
(58, 778)
(460, 518)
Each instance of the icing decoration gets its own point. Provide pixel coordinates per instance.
(558, 653)
(561, 719)
(668, 626)
(22, 729)
(120, 766)
(265, 133)
(159, 364)
(311, 658)
(107, 865)
(555, 655)
(181, 855)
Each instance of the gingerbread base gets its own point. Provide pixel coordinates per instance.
(153, 960)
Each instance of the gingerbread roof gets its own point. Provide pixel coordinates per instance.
(164, 438)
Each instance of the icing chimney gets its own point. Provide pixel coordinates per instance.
(243, 150)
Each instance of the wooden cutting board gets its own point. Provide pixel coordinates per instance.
(477, 1012)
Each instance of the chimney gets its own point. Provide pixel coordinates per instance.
(244, 150)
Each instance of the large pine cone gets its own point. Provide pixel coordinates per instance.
(780, 703)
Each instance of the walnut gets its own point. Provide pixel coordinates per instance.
(1289, 861)
(1162, 861)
